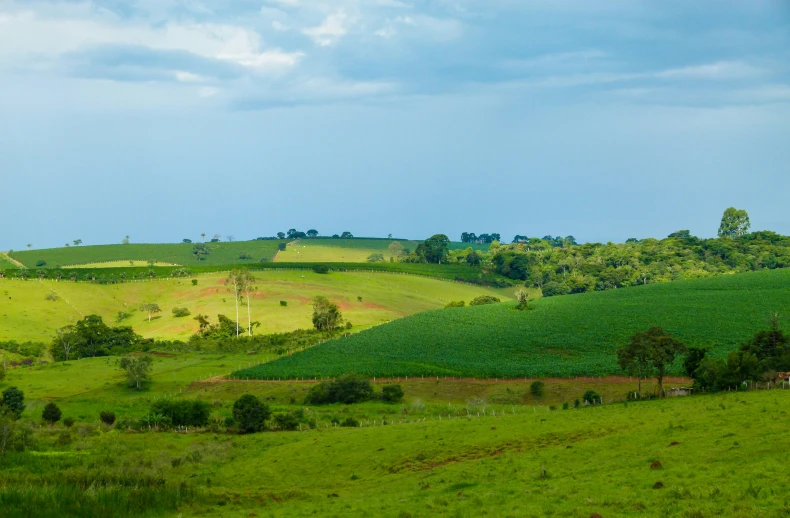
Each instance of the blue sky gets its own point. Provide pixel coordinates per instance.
(162, 119)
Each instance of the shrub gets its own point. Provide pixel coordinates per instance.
(51, 296)
(376, 258)
(576, 403)
(455, 304)
(553, 288)
(250, 414)
(349, 325)
(346, 389)
(107, 418)
(281, 247)
(51, 413)
(482, 300)
(13, 401)
(286, 422)
(122, 315)
(392, 393)
(350, 422)
(244, 256)
(321, 268)
(194, 282)
(537, 388)
(591, 397)
(566, 406)
(181, 312)
(41, 263)
(183, 413)
(68, 422)
(283, 303)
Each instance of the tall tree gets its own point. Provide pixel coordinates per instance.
(434, 249)
(137, 369)
(734, 223)
(248, 288)
(312, 232)
(203, 236)
(326, 315)
(234, 285)
(151, 308)
(659, 349)
(635, 357)
(66, 338)
(395, 249)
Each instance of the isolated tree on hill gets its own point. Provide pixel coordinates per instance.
(200, 251)
(248, 288)
(395, 249)
(326, 315)
(77, 242)
(734, 223)
(137, 369)
(13, 402)
(151, 308)
(312, 232)
(434, 249)
(51, 413)
(346, 235)
(203, 236)
(29, 246)
(2, 370)
(65, 337)
(280, 235)
(658, 348)
(234, 284)
(230, 238)
(125, 240)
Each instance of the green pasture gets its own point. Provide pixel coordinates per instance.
(26, 314)
(355, 250)
(573, 335)
(6, 263)
(220, 253)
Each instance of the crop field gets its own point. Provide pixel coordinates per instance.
(27, 314)
(720, 455)
(574, 335)
(119, 264)
(355, 250)
(170, 253)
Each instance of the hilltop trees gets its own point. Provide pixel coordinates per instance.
(433, 249)
(734, 223)
(649, 351)
(77, 242)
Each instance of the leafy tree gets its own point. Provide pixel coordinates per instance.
(734, 223)
(391, 393)
(280, 235)
(326, 315)
(395, 249)
(321, 268)
(248, 288)
(249, 414)
(635, 358)
(286, 422)
(200, 251)
(234, 284)
(312, 233)
(77, 242)
(680, 234)
(137, 369)
(282, 246)
(125, 240)
(375, 258)
(346, 235)
(771, 347)
(455, 304)
(591, 397)
(434, 249)
(51, 413)
(181, 312)
(183, 412)
(150, 308)
(203, 236)
(482, 300)
(472, 258)
(107, 417)
(90, 336)
(660, 350)
(66, 337)
(553, 288)
(13, 401)
(186, 241)
(694, 357)
(347, 389)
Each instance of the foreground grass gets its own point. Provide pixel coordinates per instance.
(25, 313)
(573, 335)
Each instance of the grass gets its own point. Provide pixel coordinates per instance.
(119, 264)
(574, 335)
(220, 253)
(25, 313)
(338, 250)
(6, 263)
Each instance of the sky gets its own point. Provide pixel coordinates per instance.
(605, 120)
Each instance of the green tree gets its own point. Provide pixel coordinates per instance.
(2, 372)
(200, 250)
(13, 401)
(434, 249)
(391, 393)
(659, 348)
(395, 249)
(65, 338)
(250, 414)
(734, 223)
(635, 358)
(375, 258)
(248, 288)
(150, 308)
(235, 285)
(125, 240)
(51, 413)
(536, 388)
(326, 315)
(312, 233)
(694, 358)
(137, 369)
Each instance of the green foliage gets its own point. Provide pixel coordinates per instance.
(321, 268)
(90, 336)
(286, 422)
(194, 282)
(137, 369)
(347, 389)
(283, 303)
(734, 223)
(51, 413)
(326, 315)
(653, 351)
(375, 258)
(554, 288)
(694, 357)
(591, 397)
(536, 388)
(282, 246)
(455, 304)
(349, 422)
(181, 312)
(560, 336)
(183, 412)
(482, 300)
(391, 393)
(107, 417)
(13, 401)
(249, 414)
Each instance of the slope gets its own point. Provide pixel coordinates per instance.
(559, 336)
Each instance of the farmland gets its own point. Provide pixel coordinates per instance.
(26, 314)
(220, 253)
(559, 336)
(355, 250)
(6, 263)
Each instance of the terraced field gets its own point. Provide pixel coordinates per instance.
(574, 335)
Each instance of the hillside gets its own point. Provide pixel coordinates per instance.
(560, 336)
(26, 314)
(220, 253)
(356, 250)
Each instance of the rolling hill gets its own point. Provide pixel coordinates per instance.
(559, 336)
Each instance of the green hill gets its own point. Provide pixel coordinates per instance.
(575, 335)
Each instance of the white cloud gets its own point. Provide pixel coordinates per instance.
(718, 70)
(187, 77)
(331, 29)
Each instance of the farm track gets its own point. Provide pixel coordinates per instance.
(11, 259)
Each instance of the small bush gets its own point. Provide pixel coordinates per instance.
(283, 303)
(181, 312)
(250, 414)
(482, 300)
(122, 315)
(194, 282)
(349, 325)
(107, 417)
(68, 422)
(591, 397)
(350, 422)
(41, 263)
(281, 247)
(51, 296)
(455, 304)
(321, 268)
(392, 393)
(51, 413)
(286, 422)
(566, 406)
(536, 389)
(346, 389)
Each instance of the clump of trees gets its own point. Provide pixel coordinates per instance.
(250, 414)
(483, 300)
(180, 413)
(649, 354)
(91, 337)
(349, 389)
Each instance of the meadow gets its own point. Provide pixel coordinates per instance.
(575, 335)
(351, 250)
(27, 314)
(220, 253)
(6, 263)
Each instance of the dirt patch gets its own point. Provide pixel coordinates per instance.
(658, 485)
(674, 443)
(371, 305)
(656, 465)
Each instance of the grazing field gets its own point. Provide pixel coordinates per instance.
(438, 455)
(26, 313)
(574, 335)
(355, 250)
(220, 253)
(6, 263)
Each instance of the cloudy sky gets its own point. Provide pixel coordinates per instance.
(163, 119)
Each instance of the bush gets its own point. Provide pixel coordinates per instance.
(194, 282)
(107, 418)
(41, 263)
(181, 312)
(244, 256)
(376, 258)
(482, 300)
(455, 304)
(281, 247)
(13, 401)
(346, 389)
(576, 403)
(553, 288)
(566, 406)
(591, 397)
(250, 414)
(537, 388)
(283, 303)
(2, 373)
(183, 413)
(286, 422)
(350, 422)
(321, 268)
(51, 413)
(392, 393)
(68, 422)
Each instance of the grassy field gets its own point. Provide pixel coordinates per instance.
(574, 335)
(25, 313)
(119, 264)
(170, 253)
(449, 449)
(338, 250)
(6, 263)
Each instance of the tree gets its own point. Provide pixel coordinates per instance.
(248, 288)
(472, 258)
(234, 284)
(391, 393)
(694, 358)
(375, 258)
(482, 300)
(250, 414)
(395, 249)
(137, 369)
(203, 236)
(51, 413)
(125, 240)
(326, 315)
(771, 347)
(658, 348)
(537, 388)
(65, 338)
(77, 242)
(634, 358)
(13, 402)
(107, 417)
(734, 223)
(680, 234)
(434, 249)
(230, 238)
(151, 308)
(186, 241)
(312, 232)
(280, 235)
(200, 251)
(346, 235)
(29, 246)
